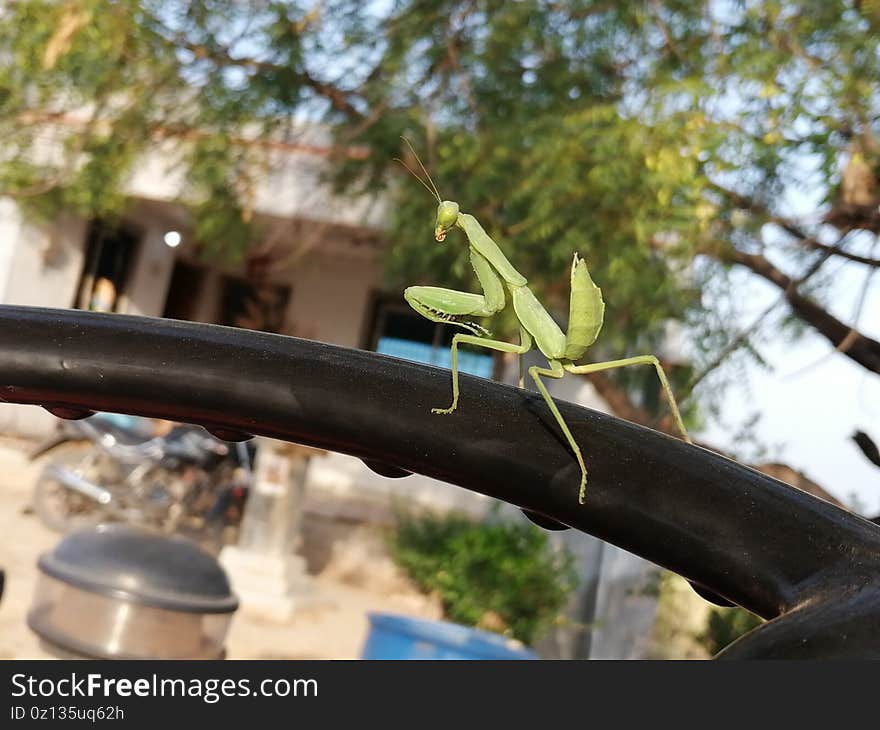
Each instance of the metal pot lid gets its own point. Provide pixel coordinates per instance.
(141, 566)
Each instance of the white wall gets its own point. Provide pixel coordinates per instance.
(39, 266)
(10, 230)
(351, 489)
(147, 286)
(45, 265)
(292, 187)
(330, 297)
(626, 606)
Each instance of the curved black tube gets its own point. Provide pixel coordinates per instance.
(738, 533)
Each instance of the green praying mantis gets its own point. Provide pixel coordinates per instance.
(495, 275)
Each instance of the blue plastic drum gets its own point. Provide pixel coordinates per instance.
(402, 637)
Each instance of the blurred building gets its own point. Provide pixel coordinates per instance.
(316, 275)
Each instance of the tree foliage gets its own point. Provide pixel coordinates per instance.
(676, 145)
(87, 87)
(726, 625)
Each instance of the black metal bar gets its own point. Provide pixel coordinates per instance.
(738, 533)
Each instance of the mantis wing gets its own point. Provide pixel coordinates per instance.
(586, 311)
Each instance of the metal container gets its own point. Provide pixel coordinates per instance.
(118, 591)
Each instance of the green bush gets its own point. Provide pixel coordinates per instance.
(501, 576)
(725, 625)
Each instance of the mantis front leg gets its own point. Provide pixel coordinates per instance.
(525, 344)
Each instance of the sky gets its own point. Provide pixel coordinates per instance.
(811, 403)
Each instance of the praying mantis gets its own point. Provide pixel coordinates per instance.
(498, 278)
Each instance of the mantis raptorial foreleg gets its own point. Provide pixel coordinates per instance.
(638, 360)
(525, 344)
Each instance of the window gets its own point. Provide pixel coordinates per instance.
(400, 332)
(257, 306)
(185, 291)
(110, 250)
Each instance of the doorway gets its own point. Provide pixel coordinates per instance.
(253, 305)
(110, 251)
(185, 292)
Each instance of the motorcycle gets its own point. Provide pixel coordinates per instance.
(102, 470)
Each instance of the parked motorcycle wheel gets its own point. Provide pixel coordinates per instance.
(62, 509)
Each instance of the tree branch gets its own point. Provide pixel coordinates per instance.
(846, 339)
(187, 132)
(867, 446)
(790, 227)
(860, 348)
(339, 99)
(621, 404)
(747, 203)
(836, 251)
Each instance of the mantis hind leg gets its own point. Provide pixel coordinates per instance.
(639, 360)
(525, 344)
(556, 371)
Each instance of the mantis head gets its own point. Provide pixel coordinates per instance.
(447, 216)
(447, 211)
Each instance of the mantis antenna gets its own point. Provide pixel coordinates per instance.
(432, 188)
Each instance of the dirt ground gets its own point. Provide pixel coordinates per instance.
(332, 624)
